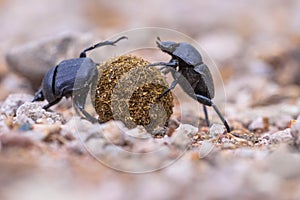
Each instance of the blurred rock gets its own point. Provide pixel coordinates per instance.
(259, 124)
(34, 59)
(181, 138)
(43, 132)
(295, 132)
(82, 130)
(13, 139)
(12, 83)
(33, 113)
(207, 147)
(281, 137)
(222, 46)
(217, 130)
(284, 164)
(75, 147)
(112, 132)
(285, 63)
(249, 90)
(283, 121)
(96, 146)
(138, 132)
(36, 135)
(13, 102)
(188, 130)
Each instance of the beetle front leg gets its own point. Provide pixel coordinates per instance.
(172, 63)
(165, 70)
(79, 104)
(173, 84)
(51, 103)
(161, 63)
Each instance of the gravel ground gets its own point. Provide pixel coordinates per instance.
(255, 61)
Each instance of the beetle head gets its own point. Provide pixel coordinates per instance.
(168, 47)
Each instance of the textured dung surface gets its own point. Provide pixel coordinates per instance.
(127, 91)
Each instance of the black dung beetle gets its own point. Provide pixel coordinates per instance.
(59, 80)
(189, 67)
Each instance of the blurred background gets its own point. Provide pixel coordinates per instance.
(255, 45)
(244, 38)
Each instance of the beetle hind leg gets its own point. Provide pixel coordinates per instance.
(86, 114)
(208, 102)
(79, 104)
(206, 115)
(222, 118)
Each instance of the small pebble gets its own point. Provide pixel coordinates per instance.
(206, 148)
(180, 137)
(33, 113)
(295, 132)
(283, 121)
(13, 102)
(112, 132)
(281, 136)
(216, 130)
(259, 124)
(13, 139)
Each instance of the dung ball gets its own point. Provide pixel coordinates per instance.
(127, 90)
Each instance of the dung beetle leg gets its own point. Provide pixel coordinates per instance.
(210, 103)
(172, 63)
(173, 84)
(112, 43)
(165, 70)
(79, 108)
(206, 115)
(52, 103)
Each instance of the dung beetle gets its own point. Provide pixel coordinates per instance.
(189, 68)
(59, 81)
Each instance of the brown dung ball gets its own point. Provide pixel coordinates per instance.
(127, 90)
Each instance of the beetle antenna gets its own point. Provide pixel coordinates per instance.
(158, 40)
(39, 96)
(83, 53)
